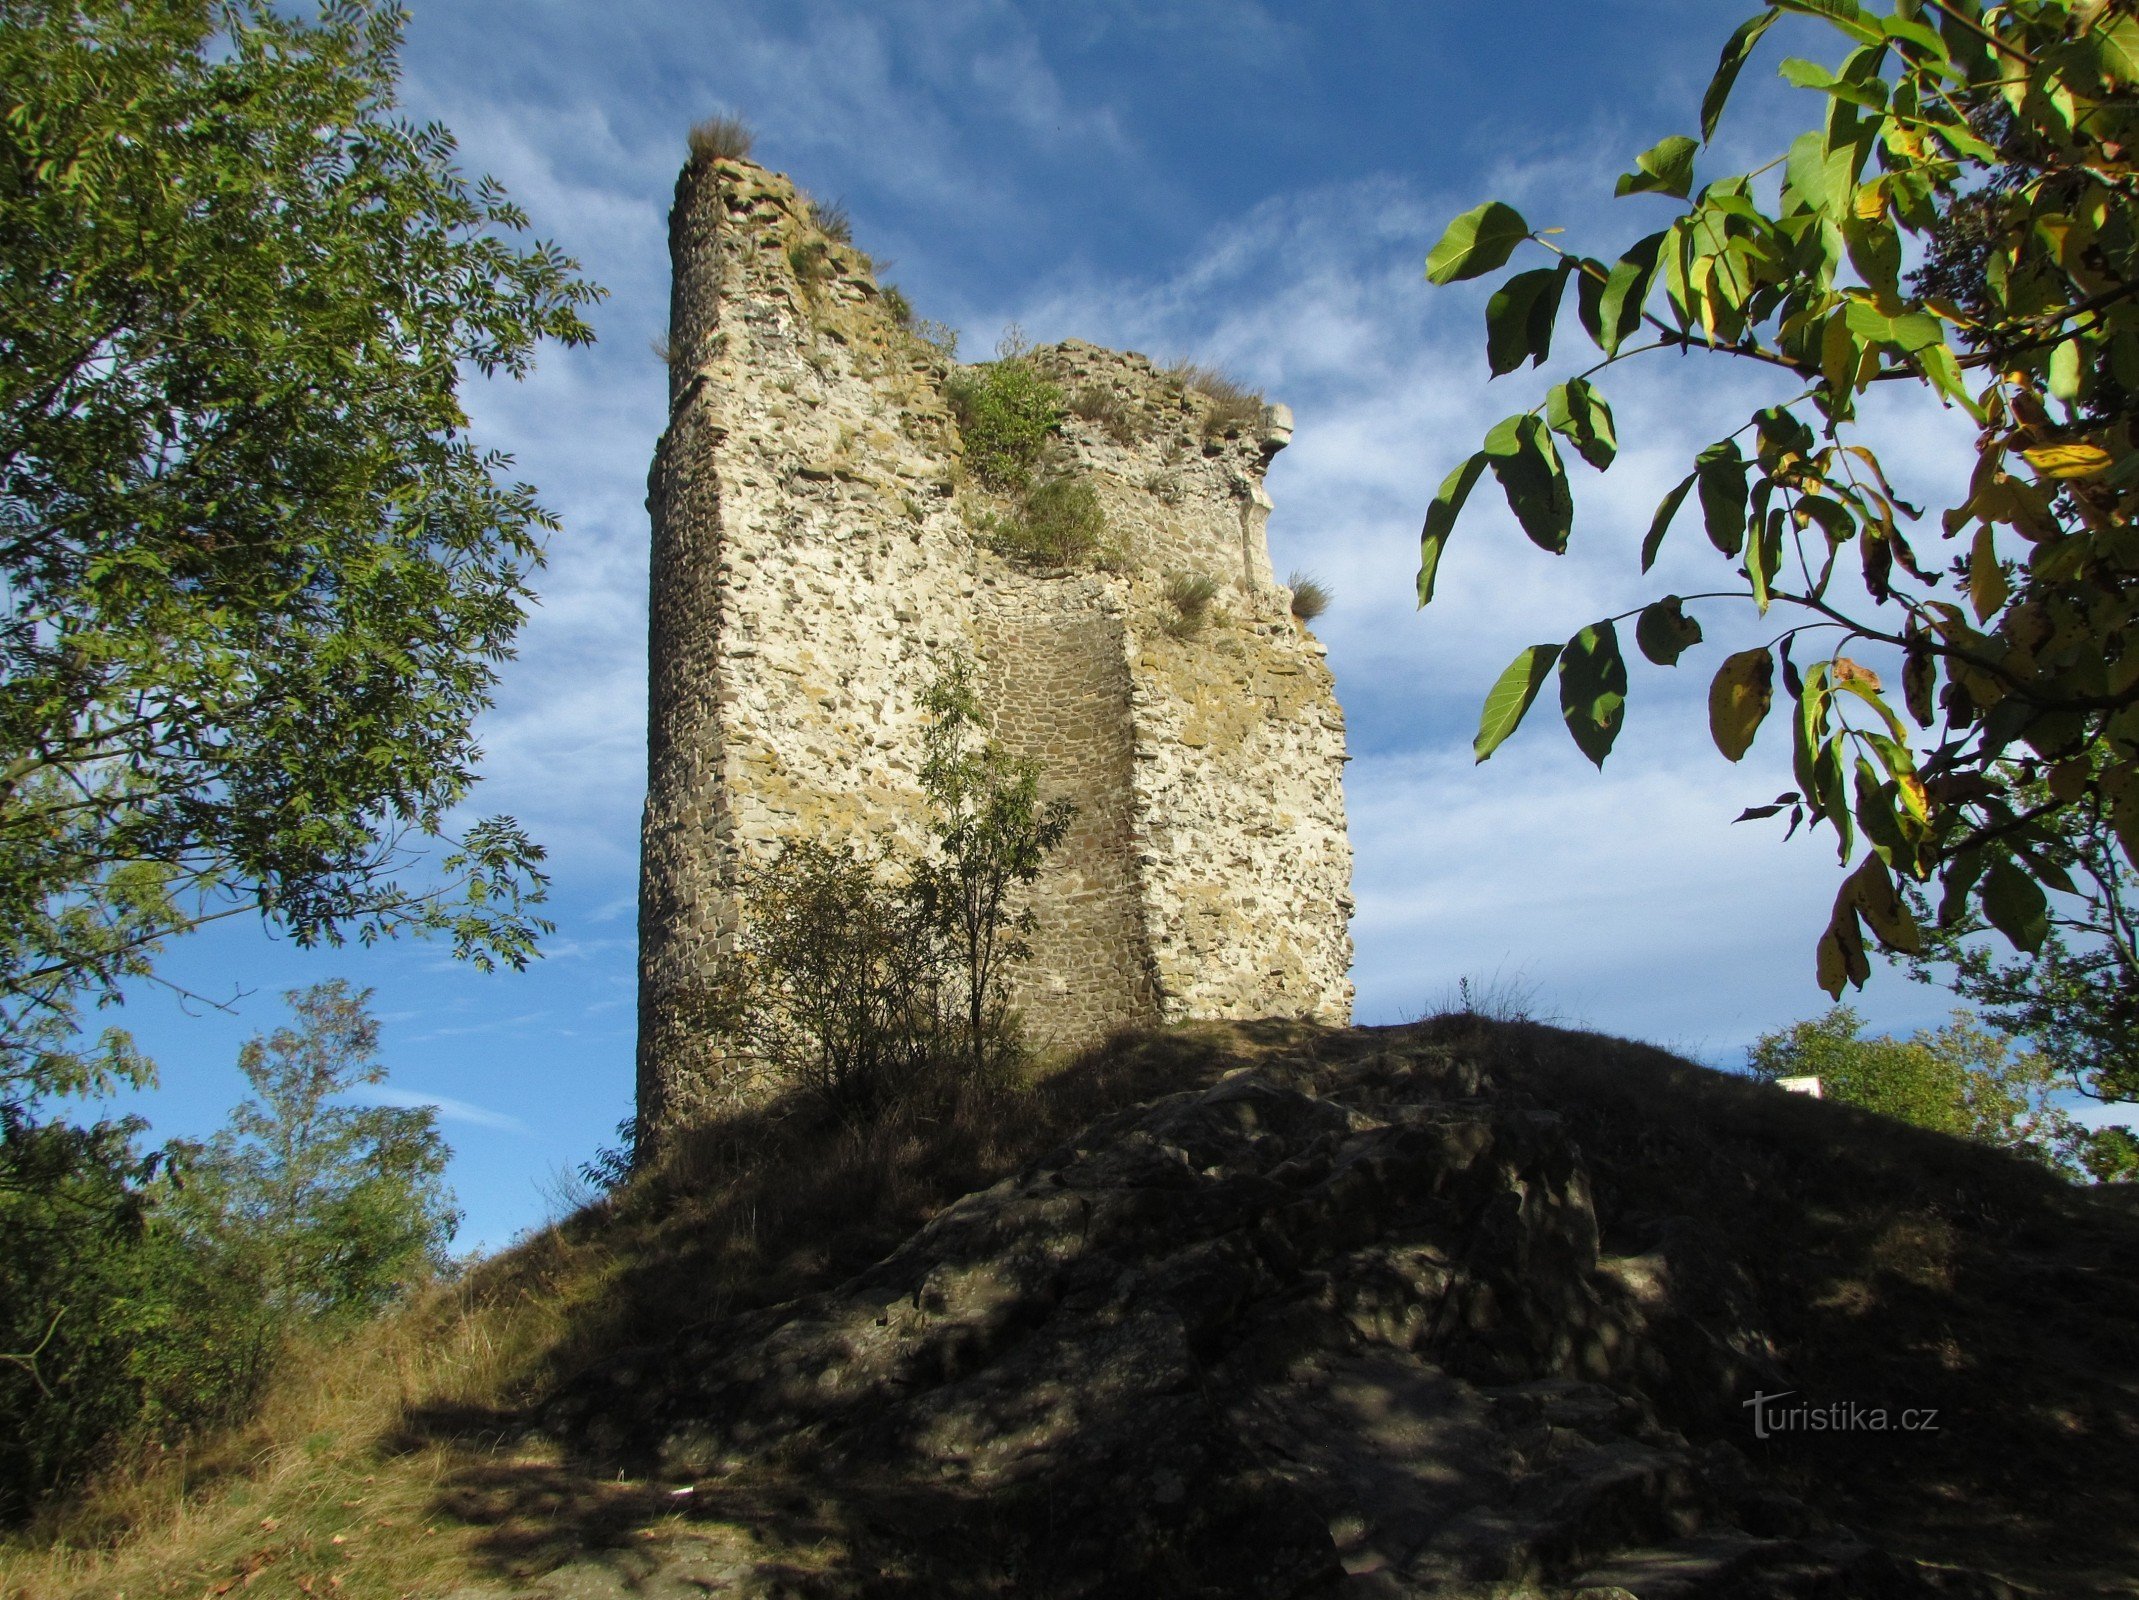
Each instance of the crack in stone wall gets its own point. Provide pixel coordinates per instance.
(818, 553)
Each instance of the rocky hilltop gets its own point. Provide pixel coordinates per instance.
(1461, 1311)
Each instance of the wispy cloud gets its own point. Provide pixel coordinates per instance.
(448, 1108)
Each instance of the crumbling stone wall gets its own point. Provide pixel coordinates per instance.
(818, 550)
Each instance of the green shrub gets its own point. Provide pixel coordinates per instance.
(870, 984)
(138, 1302)
(1190, 595)
(1058, 523)
(1007, 412)
(837, 979)
(720, 139)
(1310, 598)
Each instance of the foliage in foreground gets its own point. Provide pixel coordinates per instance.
(1963, 1079)
(2003, 712)
(2075, 997)
(257, 578)
(143, 1297)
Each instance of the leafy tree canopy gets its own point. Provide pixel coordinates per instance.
(1961, 690)
(1963, 1079)
(338, 1206)
(255, 579)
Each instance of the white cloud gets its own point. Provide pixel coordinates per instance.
(448, 1108)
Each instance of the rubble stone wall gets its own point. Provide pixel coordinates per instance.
(819, 551)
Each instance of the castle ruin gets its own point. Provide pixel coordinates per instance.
(819, 550)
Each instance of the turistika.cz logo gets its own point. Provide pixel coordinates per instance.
(1771, 1416)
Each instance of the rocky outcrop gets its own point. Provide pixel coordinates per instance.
(1336, 1332)
(819, 549)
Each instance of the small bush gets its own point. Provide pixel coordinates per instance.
(721, 139)
(1232, 406)
(1058, 523)
(1309, 596)
(1109, 410)
(895, 302)
(1190, 595)
(1007, 411)
(837, 979)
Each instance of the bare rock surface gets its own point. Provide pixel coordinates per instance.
(1333, 1334)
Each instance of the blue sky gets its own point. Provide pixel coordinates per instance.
(1220, 180)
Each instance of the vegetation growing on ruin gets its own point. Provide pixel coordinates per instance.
(1190, 595)
(721, 138)
(1100, 405)
(1310, 596)
(1228, 406)
(868, 982)
(1007, 412)
(1056, 523)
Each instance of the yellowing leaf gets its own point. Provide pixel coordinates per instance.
(1987, 587)
(1848, 671)
(1738, 699)
(2068, 460)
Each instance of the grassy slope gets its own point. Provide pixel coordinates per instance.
(1884, 1265)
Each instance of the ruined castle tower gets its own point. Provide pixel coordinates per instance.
(818, 550)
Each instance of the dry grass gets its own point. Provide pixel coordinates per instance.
(721, 138)
(1190, 595)
(1231, 406)
(1097, 404)
(1310, 596)
(399, 1461)
(830, 218)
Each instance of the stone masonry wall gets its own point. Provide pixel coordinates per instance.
(818, 551)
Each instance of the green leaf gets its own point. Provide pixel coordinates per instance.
(1626, 288)
(1577, 413)
(2065, 370)
(1735, 51)
(1666, 509)
(1510, 697)
(1874, 248)
(1520, 316)
(2016, 905)
(1909, 330)
(1476, 243)
(1721, 473)
(1441, 520)
(1738, 700)
(1818, 176)
(1844, 14)
(1523, 458)
(1665, 632)
(1919, 678)
(1664, 168)
(1593, 689)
